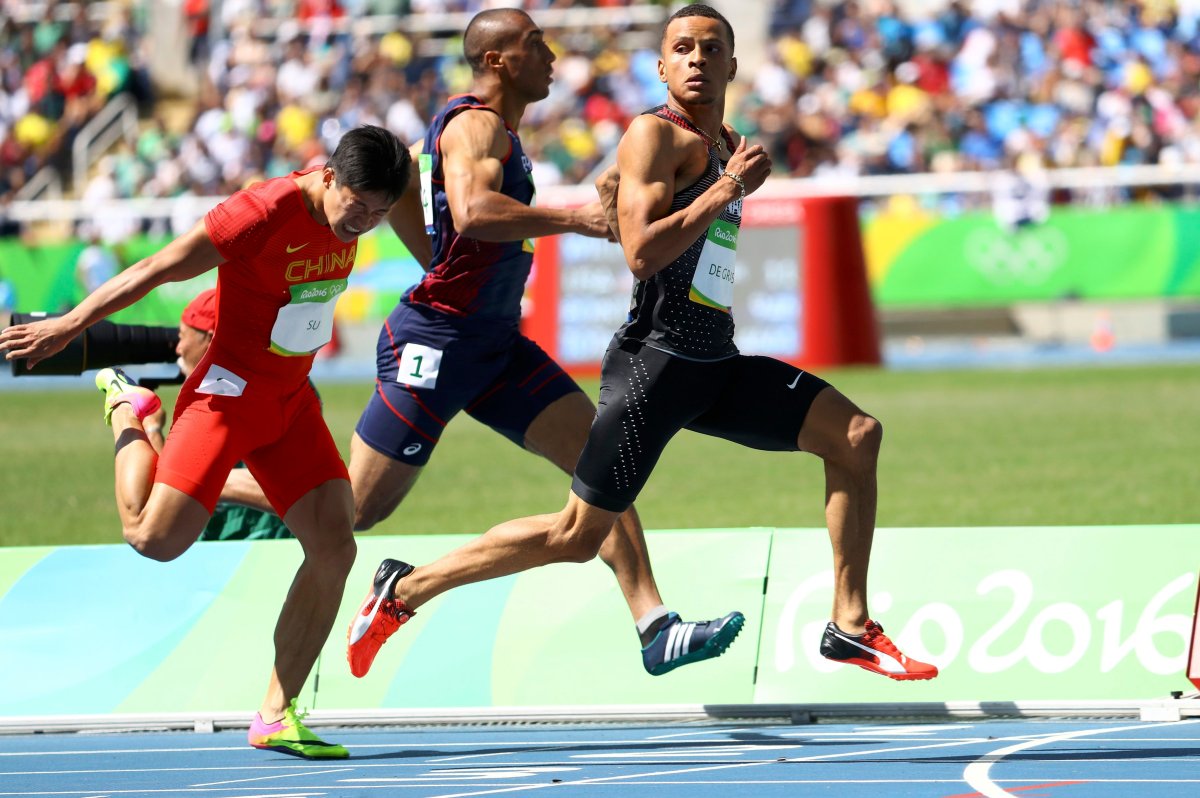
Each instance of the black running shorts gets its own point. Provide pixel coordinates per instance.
(647, 395)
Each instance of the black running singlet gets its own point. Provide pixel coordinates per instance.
(686, 309)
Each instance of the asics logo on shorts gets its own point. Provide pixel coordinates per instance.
(412, 449)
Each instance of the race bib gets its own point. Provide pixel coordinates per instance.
(712, 284)
(419, 366)
(425, 169)
(305, 324)
(527, 244)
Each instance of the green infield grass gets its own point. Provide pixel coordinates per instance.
(1112, 445)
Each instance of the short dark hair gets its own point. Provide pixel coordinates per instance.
(699, 10)
(490, 29)
(370, 158)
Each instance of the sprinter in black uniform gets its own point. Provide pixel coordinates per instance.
(673, 365)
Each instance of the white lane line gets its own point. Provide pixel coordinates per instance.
(168, 791)
(1150, 740)
(122, 771)
(698, 733)
(709, 768)
(976, 774)
(276, 776)
(317, 791)
(488, 754)
(393, 746)
(716, 749)
(123, 751)
(551, 747)
(459, 777)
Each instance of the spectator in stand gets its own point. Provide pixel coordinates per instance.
(96, 263)
(56, 71)
(857, 87)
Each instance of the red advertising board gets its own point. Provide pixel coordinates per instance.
(800, 293)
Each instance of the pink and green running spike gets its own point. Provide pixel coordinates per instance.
(118, 387)
(290, 736)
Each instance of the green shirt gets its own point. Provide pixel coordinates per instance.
(238, 522)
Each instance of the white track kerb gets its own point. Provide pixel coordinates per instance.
(207, 722)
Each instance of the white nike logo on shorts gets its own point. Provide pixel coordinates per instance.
(796, 381)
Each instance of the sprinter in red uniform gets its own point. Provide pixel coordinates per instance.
(283, 249)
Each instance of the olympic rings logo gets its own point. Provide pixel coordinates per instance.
(1027, 257)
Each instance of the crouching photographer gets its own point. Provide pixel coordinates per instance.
(242, 512)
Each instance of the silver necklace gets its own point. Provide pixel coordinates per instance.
(713, 143)
(716, 144)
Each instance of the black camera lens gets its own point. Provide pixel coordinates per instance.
(103, 344)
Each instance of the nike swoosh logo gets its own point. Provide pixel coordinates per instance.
(292, 249)
(796, 381)
(363, 623)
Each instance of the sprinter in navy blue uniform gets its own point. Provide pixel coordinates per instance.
(454, 344)
(680, 183)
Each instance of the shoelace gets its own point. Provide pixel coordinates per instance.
(295, 715)
(295, 719)
(395, 613)
(875, 638)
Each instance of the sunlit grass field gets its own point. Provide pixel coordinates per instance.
(1116, 445)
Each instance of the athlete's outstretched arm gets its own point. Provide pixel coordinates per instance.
(648, 160)
(191, 254)
(407, 218)
(474, 146)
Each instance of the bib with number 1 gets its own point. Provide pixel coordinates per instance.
(712, 284)
(305, 324)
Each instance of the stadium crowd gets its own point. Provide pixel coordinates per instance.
(56, 71)
(858, 87)
(861, 88)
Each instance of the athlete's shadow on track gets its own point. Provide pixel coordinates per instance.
(601, 747)
(1058, 755)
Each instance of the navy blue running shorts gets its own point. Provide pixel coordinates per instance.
(647, 395)
(429, 367)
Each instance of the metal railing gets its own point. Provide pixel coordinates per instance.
(46, 184)
(117, 119)
(863, 187)
(456, 23)
(875, 186)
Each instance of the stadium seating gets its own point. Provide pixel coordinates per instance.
(844, 88)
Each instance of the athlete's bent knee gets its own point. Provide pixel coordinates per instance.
(370, 510)
(575, 545)
(333, 550)
(367, 515)
(362, 521)
(339, 558)
(865, 437)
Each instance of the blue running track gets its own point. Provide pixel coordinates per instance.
(1027, 759)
